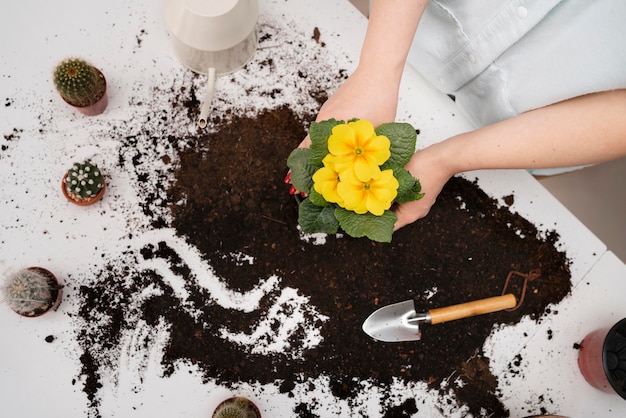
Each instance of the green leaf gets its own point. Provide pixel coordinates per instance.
(403, 138)
(301, 170)
(376, 228)
(319, 133)
(314, 218)
(317, 199)
(409, 188)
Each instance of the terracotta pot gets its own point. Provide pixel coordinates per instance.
(96, 108)
(77, 200)
(602, 359)
(253, 408)
(59, 293)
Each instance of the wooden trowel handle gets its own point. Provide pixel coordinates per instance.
(477, 307)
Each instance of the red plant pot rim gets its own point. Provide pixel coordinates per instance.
(91, 201)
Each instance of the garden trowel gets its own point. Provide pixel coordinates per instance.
(401, 321)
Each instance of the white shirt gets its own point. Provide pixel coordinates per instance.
(500, 58)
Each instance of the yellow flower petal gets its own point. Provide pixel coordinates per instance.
(366, 168)
(342, 140)
(356, 146)
(373, 196)
(379, 148)
(354, 198)
(381, 193)
(325, 182)
(363, 128)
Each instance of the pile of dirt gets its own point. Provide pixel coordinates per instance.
(235, 202)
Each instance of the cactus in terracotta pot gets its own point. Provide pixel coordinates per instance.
(83, 183)
(81, 85)
(237, 407)
(32, 291)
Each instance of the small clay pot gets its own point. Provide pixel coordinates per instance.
(602, 359)
(80, 201)
(96, 108)
(245, 406)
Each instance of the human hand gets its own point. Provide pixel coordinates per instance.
(433, 174)
(364, 95)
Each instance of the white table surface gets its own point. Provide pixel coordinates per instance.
(38, 34)
(548, 363)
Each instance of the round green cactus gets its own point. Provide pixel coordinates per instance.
(78, 82)
(237, 407)
(31, 292)
(84, 180)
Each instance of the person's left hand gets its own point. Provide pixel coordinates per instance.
(433, 175)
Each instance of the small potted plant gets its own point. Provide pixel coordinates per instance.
(81, 85)
(83, 184)
(352, 175)
(237, 407)
(32, 291)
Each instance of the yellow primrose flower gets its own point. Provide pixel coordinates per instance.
(356, 146)
(375, 195)
(325, 181)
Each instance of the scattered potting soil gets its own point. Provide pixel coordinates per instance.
(229, 200)
(235, 202)
(256, 301)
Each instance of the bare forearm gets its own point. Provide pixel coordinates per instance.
(585, 130)
(371, 92)
(390, 32)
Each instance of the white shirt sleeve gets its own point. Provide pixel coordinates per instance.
(501, 58)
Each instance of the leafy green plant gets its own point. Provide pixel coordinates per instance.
(31, 291)
(78, 82)
(352, 174)
(237, 407)
(83, 181)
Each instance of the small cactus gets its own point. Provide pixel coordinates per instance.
(31, 291)
(78, 82)
(84, 181)
(237, 407)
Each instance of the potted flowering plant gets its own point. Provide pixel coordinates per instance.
(352, 175)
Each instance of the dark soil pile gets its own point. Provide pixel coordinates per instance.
(234, 198)
(228, 197)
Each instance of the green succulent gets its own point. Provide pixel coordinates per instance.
(84, 180)
(31, 291)
(237, 407)
(78, 82)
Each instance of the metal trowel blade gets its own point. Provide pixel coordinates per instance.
(393, 323)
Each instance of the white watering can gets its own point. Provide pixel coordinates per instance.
(212, 37)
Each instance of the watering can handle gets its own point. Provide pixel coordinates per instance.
(477, 307)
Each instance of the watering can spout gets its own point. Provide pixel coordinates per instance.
(206, 106)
